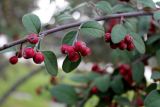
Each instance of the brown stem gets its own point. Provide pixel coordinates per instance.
(67, 26)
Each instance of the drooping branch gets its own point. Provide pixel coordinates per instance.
(19, 83)
(67, 26)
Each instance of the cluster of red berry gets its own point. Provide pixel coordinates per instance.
(97, 69)
(127, 43)
(126, 72)
(74, 52)
(29, 52)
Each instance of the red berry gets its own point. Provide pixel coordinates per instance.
(38, 58)
(79, 46)
(122, 45)
(13, 60)
(108, 37)
(130, 46)
(113, 46)
(95, 68)
(85, 51)
(139, 101)
(28, 53)
(64, 48)
(123, 69)
(33, 38)
(94, 90)
(128, 39)
(73, 56)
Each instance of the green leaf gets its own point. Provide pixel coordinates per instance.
(151, 87)
(153, 99)
(131, 24)
(122, 8)
(138, 72)
(92, 76)
(158, 56)
(64, 93)
(122, 101)
(143, 24)
(155, 75)
(156, 15)
(69, 66)
(11, 49)
(104, 6)
(147, 3)
(92, 28)
(69, 38)
(102, 83)
(85, 78)
(80, 78)
(153, 39)
(50, 62)
(32, 23)
(63, 17)
(138, 42)
(118, 33)
(117, 84)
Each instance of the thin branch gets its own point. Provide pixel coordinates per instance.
(67, 26)
(19, 83)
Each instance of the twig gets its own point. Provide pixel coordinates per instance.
(67, 26)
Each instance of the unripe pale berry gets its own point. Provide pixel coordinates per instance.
(130, 46)
(128, 39)
(122, 45)
(73, 56)
(13, 60)
(28, 53)
(38, 58)
(108, 37)
(33, 38)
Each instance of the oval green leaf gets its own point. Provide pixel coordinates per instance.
(69, 38)
(102, 83)
(64, 93)
(63, 18)
(31, 23)
(147, 3)
(118, 33)
(153, 99)
(139, 43)
(117, 84)
(138, 72)
(50, 62)
(92, 28)
(69, 66)
(104, 6)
